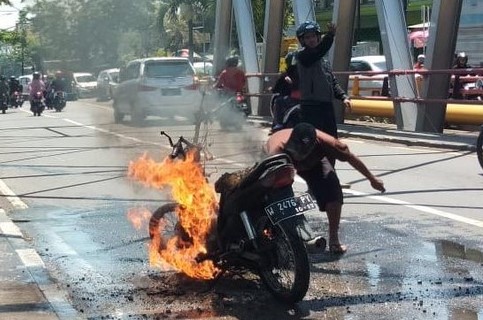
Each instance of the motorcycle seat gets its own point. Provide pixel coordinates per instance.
(271, 162)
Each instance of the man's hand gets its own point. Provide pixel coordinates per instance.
(331, 28)
(378, 184)
(348, 105)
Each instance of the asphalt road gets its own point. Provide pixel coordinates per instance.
(415, 252)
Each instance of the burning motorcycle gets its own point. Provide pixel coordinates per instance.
(36, 104)
(258, 224)
(233, 112)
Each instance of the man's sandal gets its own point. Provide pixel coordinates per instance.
(337, 249)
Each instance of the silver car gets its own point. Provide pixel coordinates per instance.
(160, 86)
(107, 81)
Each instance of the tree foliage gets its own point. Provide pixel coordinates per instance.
(93, 34)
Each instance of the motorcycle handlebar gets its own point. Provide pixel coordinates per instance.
(179, 146)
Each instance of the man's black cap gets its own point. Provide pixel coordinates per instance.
(302, 140)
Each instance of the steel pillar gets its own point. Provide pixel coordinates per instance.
(303, 11)
(340, 54)
(222, 36)
(248, 47)
(440, 50)
(271, 48)
(395, 43)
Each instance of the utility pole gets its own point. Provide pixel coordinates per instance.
(23, 40)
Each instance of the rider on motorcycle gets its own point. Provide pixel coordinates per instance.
(3, 85)
(286, 92)
(57, 84)
(35, 86)
(309, 150)
(14, 86)
(3, 93)
(232, 79)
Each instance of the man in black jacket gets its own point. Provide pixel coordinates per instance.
(318, 86)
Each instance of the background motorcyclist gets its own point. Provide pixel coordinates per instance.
(232, 79)
(461, 62)
(37, 85)
(56, 85)
(14, 86)
(4, 90)
(419, 65)
(309, 150)
(286, 92)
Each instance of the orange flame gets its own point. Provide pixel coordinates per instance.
(197, 200)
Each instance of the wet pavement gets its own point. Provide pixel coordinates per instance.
(26, 291)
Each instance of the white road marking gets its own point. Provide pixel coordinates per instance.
(12, 198)
(30, 258)
(424, 209)
(10, 229)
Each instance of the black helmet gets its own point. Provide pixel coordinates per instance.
(307, 26)
(232, 61)
(12, 78)
(301, 141)
(2, 77)
(290, 59)
(36, 75)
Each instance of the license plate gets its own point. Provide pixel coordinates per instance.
(171, 91)
(289, 207)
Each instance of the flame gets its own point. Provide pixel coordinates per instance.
(196, 213)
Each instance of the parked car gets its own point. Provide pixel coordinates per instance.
(85, 84)
(159, 86)
(204, 68)
(369, 85)
(107, 81)
(25, 81)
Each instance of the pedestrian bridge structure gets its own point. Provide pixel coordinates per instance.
(425, 112)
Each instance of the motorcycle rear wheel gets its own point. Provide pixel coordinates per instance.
(285, 270)
(479, 147)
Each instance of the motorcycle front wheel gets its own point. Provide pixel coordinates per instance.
(479, 147)
(285, 269)
(164, 225)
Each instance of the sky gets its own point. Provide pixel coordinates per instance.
(9, 15)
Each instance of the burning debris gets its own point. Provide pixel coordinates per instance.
(196, 210)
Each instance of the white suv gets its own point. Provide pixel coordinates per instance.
(160, 86)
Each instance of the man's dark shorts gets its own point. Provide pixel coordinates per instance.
(323, 184)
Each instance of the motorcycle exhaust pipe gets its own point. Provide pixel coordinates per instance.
(248, 228)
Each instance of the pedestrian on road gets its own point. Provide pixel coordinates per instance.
(309, 150)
